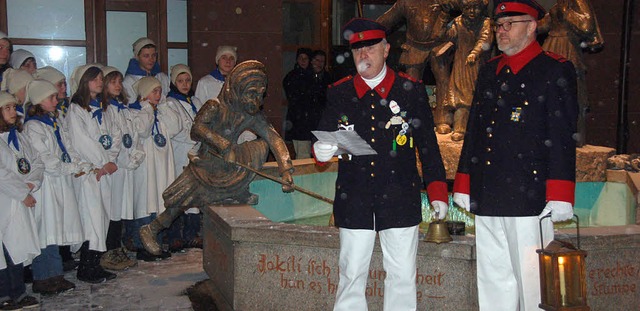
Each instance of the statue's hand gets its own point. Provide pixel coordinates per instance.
(287, 186)
(471, 59)
(230, 156)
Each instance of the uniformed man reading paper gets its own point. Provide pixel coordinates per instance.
(380, 194)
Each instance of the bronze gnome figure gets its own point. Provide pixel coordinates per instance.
(214, 175)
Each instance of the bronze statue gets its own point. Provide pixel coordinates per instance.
(426, 22)
(471, 36)
(572, 26)
(212, 176)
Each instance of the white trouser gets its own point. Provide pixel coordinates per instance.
(508, 267)
(399, 250)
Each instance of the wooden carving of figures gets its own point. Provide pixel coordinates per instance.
(212, 177)
(472, 37)
(572, 26)
(426, 22)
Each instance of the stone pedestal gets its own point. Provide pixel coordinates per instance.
(256, 264)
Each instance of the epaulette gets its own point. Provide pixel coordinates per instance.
(556, 56)
(495, 58)
(343, 80)
(407, 76)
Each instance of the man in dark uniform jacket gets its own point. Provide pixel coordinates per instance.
(518, 158)
(381, 193)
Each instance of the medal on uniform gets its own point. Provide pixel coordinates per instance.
(105, 141)
(515, 114)
(160, 140)
(127, 141)
(401, 139)
(24, 167)
(65, 157)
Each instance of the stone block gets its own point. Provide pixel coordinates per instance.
(591, 163)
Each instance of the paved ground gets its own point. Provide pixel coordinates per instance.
(149, 286)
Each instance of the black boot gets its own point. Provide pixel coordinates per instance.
(95, 257)
(87, 271)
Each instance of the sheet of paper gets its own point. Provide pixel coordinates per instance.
(347, 141)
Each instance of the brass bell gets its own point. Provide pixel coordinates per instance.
(438, 232)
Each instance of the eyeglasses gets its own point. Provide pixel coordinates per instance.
(507, 25)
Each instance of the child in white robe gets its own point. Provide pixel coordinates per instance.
(122, 186)
(144, 64)
(58, 80)
(57, 215)
(185, 231)
(155, 124)
(20, 176)
(97, 140)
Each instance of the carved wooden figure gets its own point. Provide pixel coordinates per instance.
(572, 26)
(472, 37)
(426, 22)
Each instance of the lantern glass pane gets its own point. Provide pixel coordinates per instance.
(547, 279)
(574, 280)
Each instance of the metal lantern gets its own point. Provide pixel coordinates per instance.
(562, 275)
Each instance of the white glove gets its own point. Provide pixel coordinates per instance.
(440, 208)
(324, 151)
(463, 200)
(560, 211)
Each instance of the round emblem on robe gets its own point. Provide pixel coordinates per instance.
(160, 140)
(127, 141)
(24, 167)
(66, 158)
(105, 141)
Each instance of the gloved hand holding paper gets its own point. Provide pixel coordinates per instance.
(348, 142)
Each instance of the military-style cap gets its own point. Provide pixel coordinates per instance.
(518, 7)
(363, 32)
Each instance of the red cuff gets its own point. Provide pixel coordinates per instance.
(437, 191)
(561, 190)
(461, 183)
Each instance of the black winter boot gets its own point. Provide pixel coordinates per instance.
(95, 260)
(87, 271)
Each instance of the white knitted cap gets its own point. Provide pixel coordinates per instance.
(6, 98)
(177, 70)
(38, 90)
(226, 49)
(139, 44)
(13, 80)
(50, 74)
(145, 86)
(18, 57)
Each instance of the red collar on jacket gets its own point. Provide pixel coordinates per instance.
(382, 89)
(520, 59)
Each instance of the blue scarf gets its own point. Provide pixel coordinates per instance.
(96, 102)
(217, 74)
(155, 129)
(134, 69)
(13, 137)
(63, 106)
(48, 120)
(20, 109)
(135, 105)
(183, 98)
(116, 103)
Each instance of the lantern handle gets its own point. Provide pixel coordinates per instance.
(577, 229)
